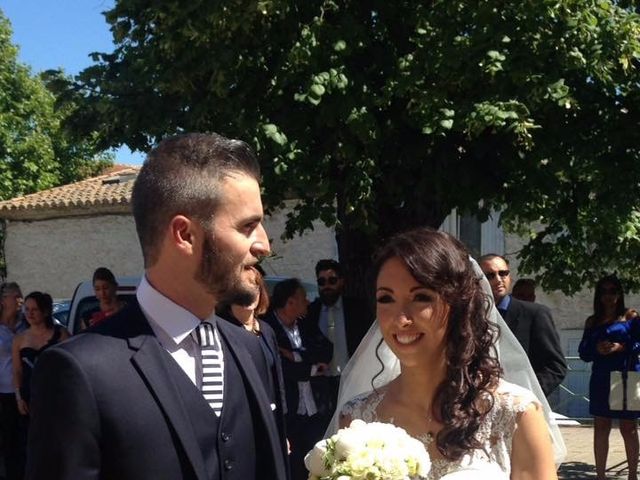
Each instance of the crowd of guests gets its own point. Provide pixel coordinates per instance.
(27, 328)
(307, 346)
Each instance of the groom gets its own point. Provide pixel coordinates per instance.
(123, 401)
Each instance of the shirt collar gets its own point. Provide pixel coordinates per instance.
(174, 320)
(286, 327)
(504, 303)
(336, 306)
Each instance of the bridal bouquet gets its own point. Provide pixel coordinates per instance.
(368, 451)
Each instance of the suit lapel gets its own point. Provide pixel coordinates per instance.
(281, 336)
(234, 340)
(512, 316)
(150, 360)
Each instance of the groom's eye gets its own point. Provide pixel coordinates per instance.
(384, 299)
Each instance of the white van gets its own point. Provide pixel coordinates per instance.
(84, 300)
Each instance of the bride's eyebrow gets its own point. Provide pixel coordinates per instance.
(419, 287)
(384, 289)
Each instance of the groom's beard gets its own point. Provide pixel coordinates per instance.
(222, 278)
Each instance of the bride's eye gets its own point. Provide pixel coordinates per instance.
(423, 297)
(384, 299)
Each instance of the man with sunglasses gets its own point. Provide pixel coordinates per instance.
(343, 320)
(531, 323)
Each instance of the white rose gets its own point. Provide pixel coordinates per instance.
(314, 460)
(356, 424)
(350, 442)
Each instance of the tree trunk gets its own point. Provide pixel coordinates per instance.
(356, 248)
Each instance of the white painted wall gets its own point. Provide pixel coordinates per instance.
(297, 257)
(55, 255)
(568, 312)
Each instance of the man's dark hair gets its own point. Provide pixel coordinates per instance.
(283, 291)
(182, 176)
(328, 264)
(490, 256)
(525, 283)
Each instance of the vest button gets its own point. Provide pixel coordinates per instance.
(225, 436)
(228, 464)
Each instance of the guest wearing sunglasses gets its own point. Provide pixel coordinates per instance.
(531, 323)
(343, 320)
(610, 341)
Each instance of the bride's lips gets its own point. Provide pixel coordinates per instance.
(407, 338)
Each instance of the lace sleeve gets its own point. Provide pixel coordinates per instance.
(362, 407)
(511, 403)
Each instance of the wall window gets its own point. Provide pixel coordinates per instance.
(480, 238)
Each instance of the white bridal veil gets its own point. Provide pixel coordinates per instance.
(364, 366)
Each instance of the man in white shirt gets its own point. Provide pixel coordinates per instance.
(130, 398)
(305, 355)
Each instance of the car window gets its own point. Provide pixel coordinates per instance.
(61, 317)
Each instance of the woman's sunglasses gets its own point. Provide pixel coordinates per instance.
(330, 280)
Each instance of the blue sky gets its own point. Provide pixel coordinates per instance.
(62, 34)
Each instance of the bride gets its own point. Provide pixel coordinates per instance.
(437, 374)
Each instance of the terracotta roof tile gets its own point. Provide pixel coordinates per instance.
(108, 193)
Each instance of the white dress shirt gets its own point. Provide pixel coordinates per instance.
(306, 403)
(173, 326)
(340, 352)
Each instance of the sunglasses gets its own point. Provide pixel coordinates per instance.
(501, 273)
(330, 280)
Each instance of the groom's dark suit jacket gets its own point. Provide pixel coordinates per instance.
(112, 404)
(533, 326)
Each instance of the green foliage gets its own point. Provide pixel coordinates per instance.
(385, 115)
(35, 152)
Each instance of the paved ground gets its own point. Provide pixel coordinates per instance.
(580, 463)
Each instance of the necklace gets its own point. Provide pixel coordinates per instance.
(429, 437)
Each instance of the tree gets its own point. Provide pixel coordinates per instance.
(385, 115)
(35, 151)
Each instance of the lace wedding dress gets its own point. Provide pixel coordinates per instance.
(493, 460)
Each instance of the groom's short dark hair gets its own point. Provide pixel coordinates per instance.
(182, 176)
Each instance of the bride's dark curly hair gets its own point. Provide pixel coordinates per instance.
(440, 262)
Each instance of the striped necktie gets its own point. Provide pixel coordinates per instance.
(212, 369)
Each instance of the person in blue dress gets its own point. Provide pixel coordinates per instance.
(611, 342)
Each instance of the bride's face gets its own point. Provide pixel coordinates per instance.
(413, 318)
